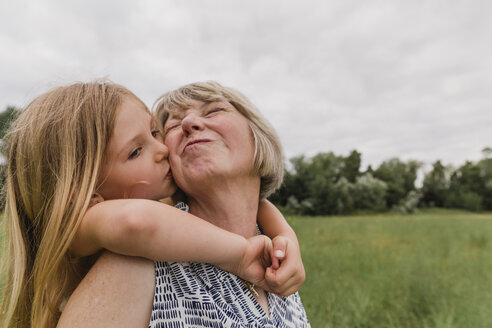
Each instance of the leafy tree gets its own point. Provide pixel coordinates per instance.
(324, 171)
(328, 184)
(310, 187)
(410, 203)
(344, 197)
(465, 199)
(294, 189)
(298, 183)
(369, 193)
(485, 167)
(435, 186)
(6, 118)
(288, 187)
(399, 177)
(466, 188)
(351, 166)
(487, 152)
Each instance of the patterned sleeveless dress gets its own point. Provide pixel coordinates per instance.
(201, 295)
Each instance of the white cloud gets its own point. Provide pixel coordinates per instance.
(406, 79)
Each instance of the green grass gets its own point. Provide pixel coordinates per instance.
(432, 269)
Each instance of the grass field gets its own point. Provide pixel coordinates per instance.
(432, 269)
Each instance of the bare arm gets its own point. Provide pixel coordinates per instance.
(139, 227)
(285, 277)
(118, 292)
(273, 223)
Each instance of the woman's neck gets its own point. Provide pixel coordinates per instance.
(230, 206)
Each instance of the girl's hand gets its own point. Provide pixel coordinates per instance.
(286, 274)
(254, 262)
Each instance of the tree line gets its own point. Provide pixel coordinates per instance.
(329, 184)
(6, 117)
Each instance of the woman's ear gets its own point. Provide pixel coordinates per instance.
(95, 199)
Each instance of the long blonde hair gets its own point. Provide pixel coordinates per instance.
(55, 149)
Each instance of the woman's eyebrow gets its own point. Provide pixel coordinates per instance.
(178, 114)
(171, 120)
(175, 115)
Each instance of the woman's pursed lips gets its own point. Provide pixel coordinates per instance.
(196, 141)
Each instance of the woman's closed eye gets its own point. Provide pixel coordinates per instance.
(172, 127)
(214, 110)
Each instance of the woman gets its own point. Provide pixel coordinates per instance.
(225, 158)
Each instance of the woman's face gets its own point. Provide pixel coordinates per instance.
(208, 140)
(136, 161)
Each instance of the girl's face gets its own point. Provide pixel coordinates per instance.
(136, 161)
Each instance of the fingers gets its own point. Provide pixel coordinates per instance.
(286, 275)
(279, 278)
(273, 265)
(267, 251)
(255, 260)
(280, 244)
(281, 286)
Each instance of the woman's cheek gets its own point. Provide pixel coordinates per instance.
(173, 163)
(171, 144)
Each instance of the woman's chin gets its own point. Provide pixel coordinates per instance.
(201, 174)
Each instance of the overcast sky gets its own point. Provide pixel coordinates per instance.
(407, 79)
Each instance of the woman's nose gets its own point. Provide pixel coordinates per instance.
(191, 123)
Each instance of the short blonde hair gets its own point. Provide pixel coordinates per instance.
(55, 149)
(268, 156)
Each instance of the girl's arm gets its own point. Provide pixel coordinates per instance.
(287, 277)
(147, 228)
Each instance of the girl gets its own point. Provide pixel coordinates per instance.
(72, 142)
